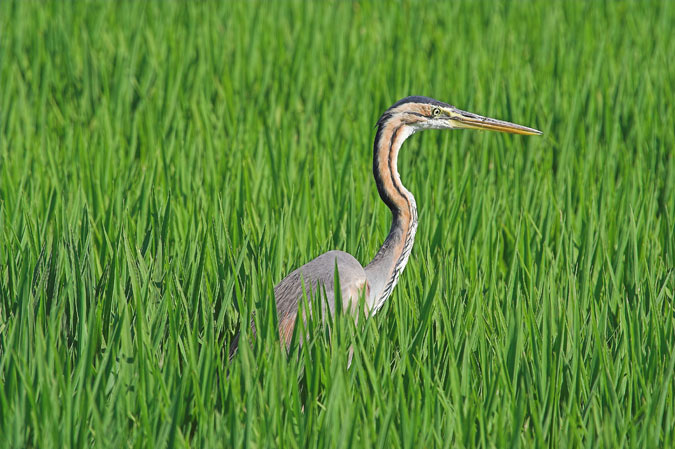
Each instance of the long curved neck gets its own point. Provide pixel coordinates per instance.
(383, 271)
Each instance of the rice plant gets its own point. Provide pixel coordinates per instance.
(164, 165)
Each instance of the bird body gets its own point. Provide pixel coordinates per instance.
(318, 277)
(377, 280)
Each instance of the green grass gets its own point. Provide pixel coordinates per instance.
(163, 165)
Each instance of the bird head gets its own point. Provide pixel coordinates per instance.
(421, 113)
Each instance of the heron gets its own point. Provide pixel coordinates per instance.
(375, 282)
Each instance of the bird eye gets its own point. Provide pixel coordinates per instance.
(436, 112)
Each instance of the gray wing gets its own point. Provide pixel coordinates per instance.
(317, 275)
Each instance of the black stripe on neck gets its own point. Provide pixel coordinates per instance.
(385, 194)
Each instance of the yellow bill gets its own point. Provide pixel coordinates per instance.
(469, 120)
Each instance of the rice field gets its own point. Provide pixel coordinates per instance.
(164, 165)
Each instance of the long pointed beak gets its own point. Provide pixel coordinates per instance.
(469, 120)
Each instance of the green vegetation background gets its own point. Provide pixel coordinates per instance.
(163, 165)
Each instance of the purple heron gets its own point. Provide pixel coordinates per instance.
(376, 280)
